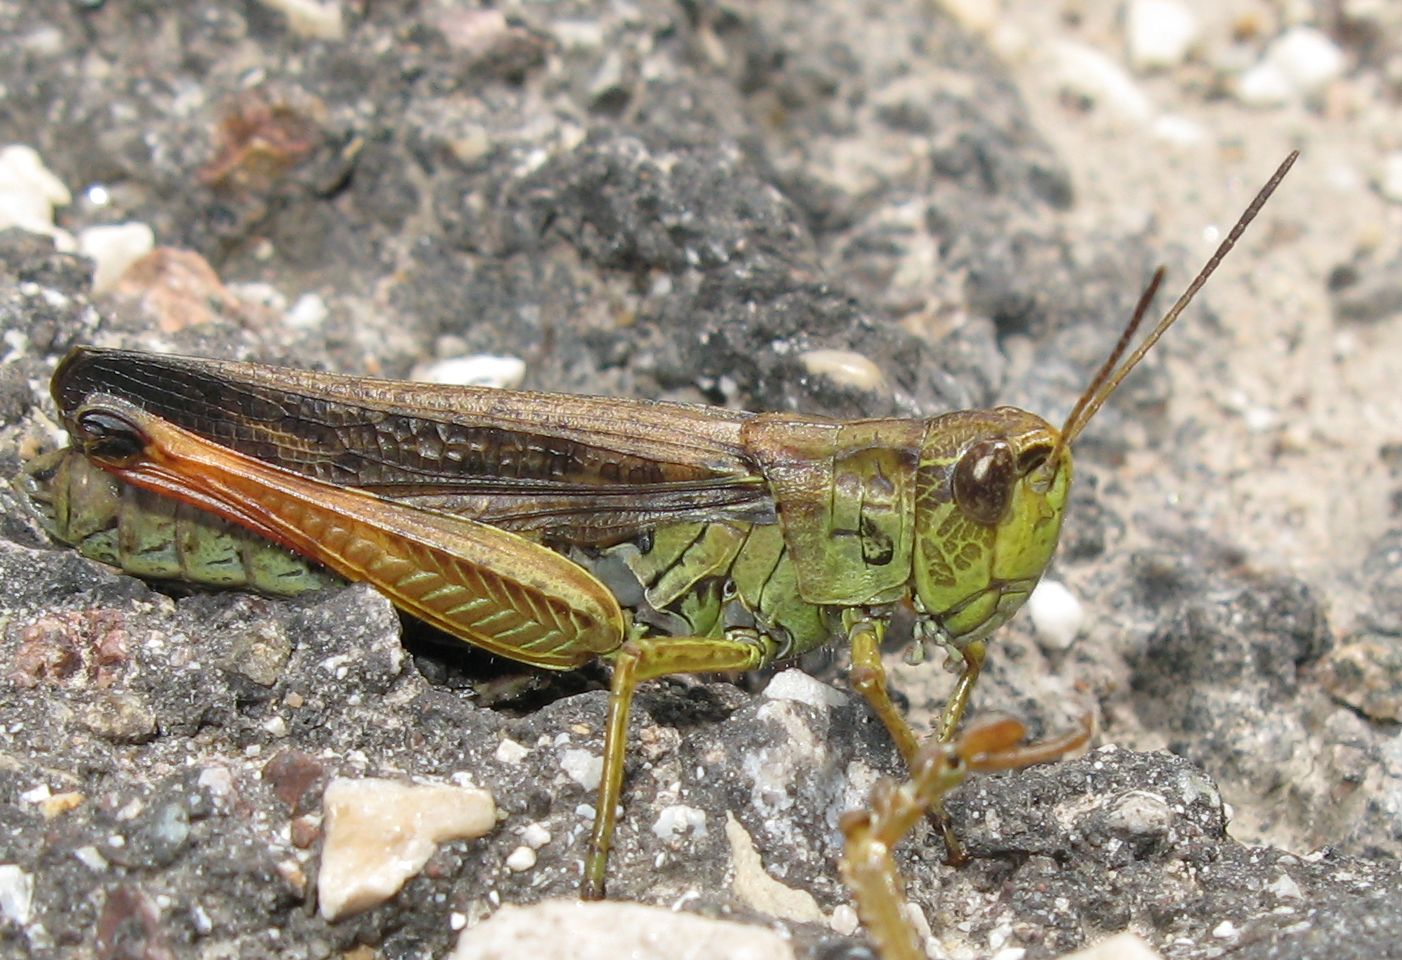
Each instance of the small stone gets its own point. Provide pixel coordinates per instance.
(583, 768)
(575, 930)
(259, 654)
(1367, 676)
(480, 370)
(313, 19)
(16, 893)
(509, 751)
(535, 836)
(29, 191)
(520, 860)
(1308, 58)
(296, 778)
(845, 368)
(800, 687)
(176, 289)
(380, 833)
(1159, 33)
(1083, 71)
(121, 717)
(113, 248)
(1140, 814)
(843, 920)
(1056, 614)
(1299, 64)
(677, 820)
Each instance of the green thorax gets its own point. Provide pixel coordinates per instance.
(958, 512)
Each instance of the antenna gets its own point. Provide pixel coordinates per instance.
(1108, 377)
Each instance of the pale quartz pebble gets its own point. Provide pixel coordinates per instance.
(1299, 64)
(1122, 946)
(380, 833)
(608, 930)
(114, 247)
(16, 893)
(845, 368)
(29, 191)
(314, 19)
(1084, 71)
(1056, 614)
(796, 685)
(520, 860)
(677, 820)
(481, 370)
(583, 767)
(1159, 33)
(1308, 58)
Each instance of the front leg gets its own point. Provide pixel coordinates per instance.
(868, 678)
(646, 658)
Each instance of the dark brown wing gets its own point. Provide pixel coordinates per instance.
(581, 468)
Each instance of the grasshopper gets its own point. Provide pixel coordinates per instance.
(665, 538)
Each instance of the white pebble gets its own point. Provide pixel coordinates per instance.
(535, 835)
(481, 370)
(509, 751)
(29, 191)
(613, 930)
(114, 247)
(1056, 614)
(843, 920)
(677, 819)
(1309, 58)
(583, 768)
(1159, 33)
(314, 19)
(16, 893)
(520, 860)
(1299, 64)
(1083, 71)
(1390, 183)
(799, 686)
(846, 368)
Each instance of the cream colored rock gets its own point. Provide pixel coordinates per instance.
(574, 930)
(380, 833)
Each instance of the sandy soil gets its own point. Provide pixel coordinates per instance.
(1307, 400)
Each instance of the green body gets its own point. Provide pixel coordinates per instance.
(866, 517)
(156, 537)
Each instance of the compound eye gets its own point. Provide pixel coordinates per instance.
(109, 436)
(983, 480)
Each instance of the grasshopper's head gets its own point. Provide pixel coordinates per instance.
(991, 488)
(992, 485)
